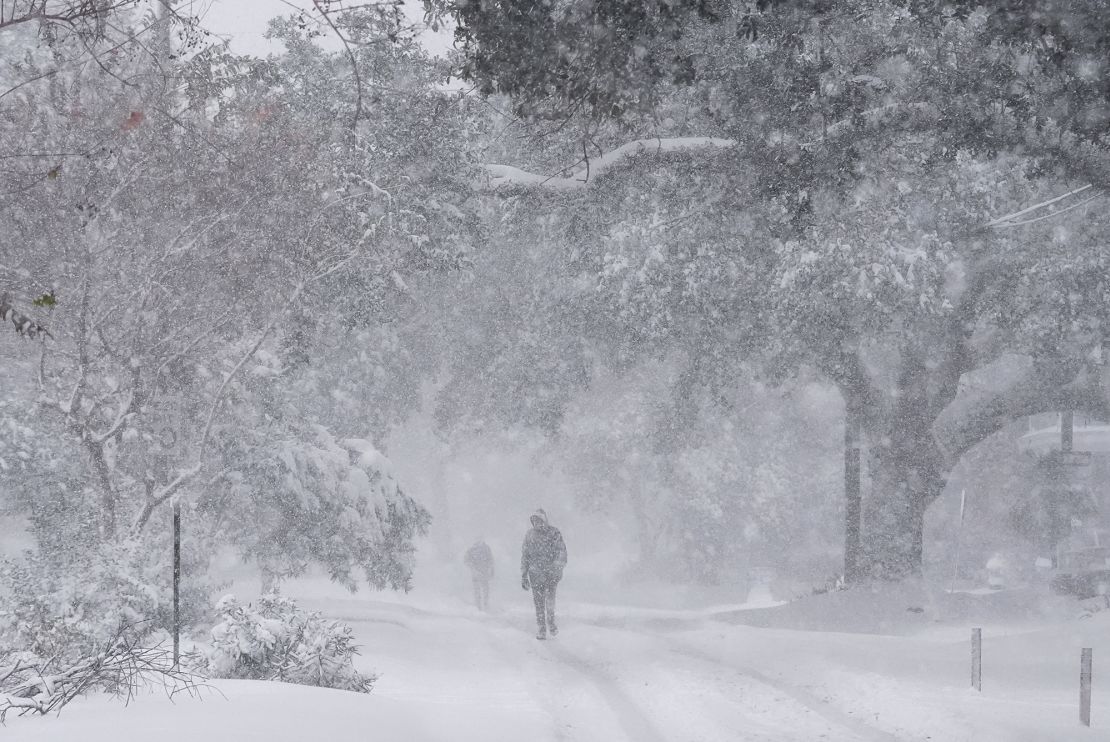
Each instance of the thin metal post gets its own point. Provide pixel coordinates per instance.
(1085, 687)
(176, 584)
(977, 659)
(1067, 431)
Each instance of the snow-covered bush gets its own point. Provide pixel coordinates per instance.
(1091, 606)
(276, 640)
(67, 608)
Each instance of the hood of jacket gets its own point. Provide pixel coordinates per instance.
(539, 519)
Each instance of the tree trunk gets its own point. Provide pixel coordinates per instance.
(906, 477)
(852, 495)
(918, 430)
(269, 580)
(107, 492)
(909, 471)
(647, 536)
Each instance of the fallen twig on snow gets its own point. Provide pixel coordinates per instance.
(123, 665)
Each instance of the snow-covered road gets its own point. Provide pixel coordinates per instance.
(622, 673)
(595, 682)
(451, 674)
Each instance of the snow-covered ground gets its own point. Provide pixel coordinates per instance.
(896, 667)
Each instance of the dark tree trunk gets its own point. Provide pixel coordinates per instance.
(852, 496)
(908, 473)
(904, 487)
(107, 492)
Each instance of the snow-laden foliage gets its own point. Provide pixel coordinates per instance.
(851, 227)
(66, 606)
(315, 499)
(222, 267)
(276, 640)
(711, 495)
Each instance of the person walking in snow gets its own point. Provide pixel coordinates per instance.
(480, 560)
(542, 559)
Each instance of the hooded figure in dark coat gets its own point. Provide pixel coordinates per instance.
(542, 559)
(479, 558)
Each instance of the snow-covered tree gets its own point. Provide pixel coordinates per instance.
(872, 193)
(228, 249)
(312, 499)
(715, 486)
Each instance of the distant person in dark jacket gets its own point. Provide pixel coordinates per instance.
(480, 560)
(542, 559)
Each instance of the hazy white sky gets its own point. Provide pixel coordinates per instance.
(244, 22)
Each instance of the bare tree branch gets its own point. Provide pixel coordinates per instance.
(122, 665)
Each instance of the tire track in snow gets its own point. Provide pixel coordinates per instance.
(501, 649)
(807, 700)
(858, 727)
(627, 717)
(637, 727)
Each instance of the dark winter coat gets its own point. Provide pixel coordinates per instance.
(480, 560)
(544, 554)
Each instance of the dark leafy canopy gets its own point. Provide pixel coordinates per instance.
(601, 57)
(1012, 74)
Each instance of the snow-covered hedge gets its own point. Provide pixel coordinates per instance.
(68, 608)
(276, 640)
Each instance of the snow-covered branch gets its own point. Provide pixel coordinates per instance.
(502, 176)
(1014, 219)
(123, 665)
(242, 362)
(122, 416)
(586, 169)
(156, 498)
(1042, 386)
(66, 13)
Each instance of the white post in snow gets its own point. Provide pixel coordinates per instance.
(1085, 687)
(977, 659)
(959, 540)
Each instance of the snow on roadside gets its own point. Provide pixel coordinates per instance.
(258, 711)
(451, 674)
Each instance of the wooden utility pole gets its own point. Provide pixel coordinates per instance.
(852, 502)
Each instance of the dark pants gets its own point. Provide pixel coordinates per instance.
(543, 593)
(481, 593)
